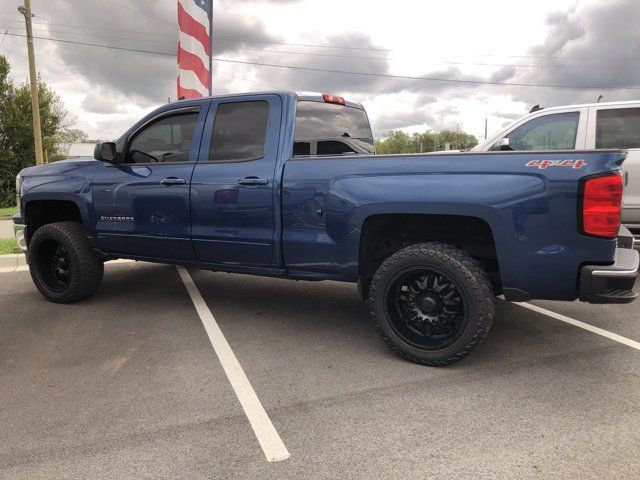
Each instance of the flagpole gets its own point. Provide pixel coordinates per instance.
(211, 51)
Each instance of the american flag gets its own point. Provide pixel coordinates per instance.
(194, 48)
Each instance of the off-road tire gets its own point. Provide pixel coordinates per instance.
(85, 268)
(474, 285)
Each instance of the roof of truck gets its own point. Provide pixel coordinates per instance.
(309, 96)
(595, 104)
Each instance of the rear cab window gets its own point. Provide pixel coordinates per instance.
(331, 129)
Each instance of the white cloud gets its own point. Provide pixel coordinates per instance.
(107, 90)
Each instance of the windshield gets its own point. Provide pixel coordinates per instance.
(330, 129)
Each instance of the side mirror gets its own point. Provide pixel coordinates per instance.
(502, 145)
(106, 152)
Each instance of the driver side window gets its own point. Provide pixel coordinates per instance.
(548, 132)
(166, 140)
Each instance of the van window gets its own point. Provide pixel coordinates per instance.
(239, 131)
(338, 129)
(548, 132)
(618, 128)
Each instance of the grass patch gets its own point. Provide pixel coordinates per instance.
(8, 211)
(9, 245)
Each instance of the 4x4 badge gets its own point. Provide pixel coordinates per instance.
(543, 164)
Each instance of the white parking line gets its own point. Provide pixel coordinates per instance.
(577, 323)
(271, 443)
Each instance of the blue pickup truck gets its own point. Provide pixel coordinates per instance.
(288, 185)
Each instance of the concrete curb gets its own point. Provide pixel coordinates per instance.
(12, 263)
(18, 263)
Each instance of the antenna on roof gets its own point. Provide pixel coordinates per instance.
(535, 108)
(600, 97)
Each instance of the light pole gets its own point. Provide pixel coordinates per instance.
(35, 104)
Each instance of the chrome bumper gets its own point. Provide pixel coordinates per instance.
(18, 230)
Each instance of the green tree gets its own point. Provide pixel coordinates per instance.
(400, 142)
(16, 129)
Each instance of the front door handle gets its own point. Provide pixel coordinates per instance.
(253, 181)
(173, 181)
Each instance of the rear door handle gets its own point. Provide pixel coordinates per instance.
(173, 181)
(253, 181)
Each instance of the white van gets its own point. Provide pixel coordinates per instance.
(589, 126)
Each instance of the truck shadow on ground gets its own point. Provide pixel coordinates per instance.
(272, 314)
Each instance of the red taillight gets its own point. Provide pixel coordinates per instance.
(332, 99)
(601, 205)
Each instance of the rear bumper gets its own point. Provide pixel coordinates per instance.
(611, 283)
(635, 231)
(18, 230)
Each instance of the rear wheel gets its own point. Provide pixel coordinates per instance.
(62, 265)
(431, 303)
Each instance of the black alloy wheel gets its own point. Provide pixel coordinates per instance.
(62, 264)
(427, 308)
(431, 303)
(54, 265)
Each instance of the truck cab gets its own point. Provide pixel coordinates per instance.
(582, 127)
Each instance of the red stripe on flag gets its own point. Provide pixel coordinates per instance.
(186, 93)
(191, 27)
(189, 61)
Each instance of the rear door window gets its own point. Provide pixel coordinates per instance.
(618, 128)
(239, 131)
(548, 132)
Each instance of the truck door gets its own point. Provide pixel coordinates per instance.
(618, 126)
(142, 205)
(232, 189)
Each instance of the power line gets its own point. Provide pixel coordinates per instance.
(112, 47)
(358, 57)
(229, 40)
(364, 74)
(215, 38)
(355, 57)
(226, 39)
(91, 35)
(84, 27)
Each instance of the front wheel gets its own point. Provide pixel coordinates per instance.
(431, 303)
(62, 265)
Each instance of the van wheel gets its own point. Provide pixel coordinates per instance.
(431, 303)
(62, 265)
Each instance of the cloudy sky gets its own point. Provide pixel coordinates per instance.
(547, 52)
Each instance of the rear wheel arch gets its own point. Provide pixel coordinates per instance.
(384, 234)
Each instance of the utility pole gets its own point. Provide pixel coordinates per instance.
(486, 118)
(35, 104)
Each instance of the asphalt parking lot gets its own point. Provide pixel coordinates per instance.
(128, 385)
